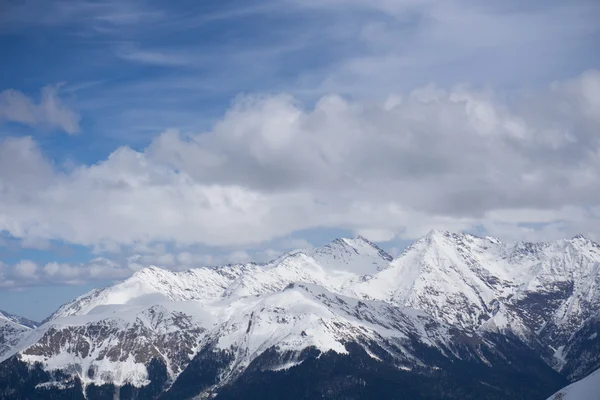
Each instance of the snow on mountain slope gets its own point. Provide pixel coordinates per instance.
(295, 267)
(151, 284)
(18, 320)
(12, 329)
(453, 277)
(304, 315)
(358, 256)
(567, 273)
(463, 280)
(587, 388)
(114, 344)
(333, 266)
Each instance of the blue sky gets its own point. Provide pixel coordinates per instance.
(202, 132)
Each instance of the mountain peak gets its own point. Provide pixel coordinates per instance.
(454, 237)
(580, 237)
(444, 234)
(493, 239)
(151, 270)
(152, 275)
(364, 240)
(434, 233)
(359, 256)
(353, 243)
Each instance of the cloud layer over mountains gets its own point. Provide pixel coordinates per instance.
(460, 159)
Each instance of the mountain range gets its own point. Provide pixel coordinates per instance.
(454, 316)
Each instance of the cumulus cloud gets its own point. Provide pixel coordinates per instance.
(50, 112)
(458, 159)
(26, 269)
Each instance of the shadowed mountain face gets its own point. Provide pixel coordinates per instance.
(453, 317)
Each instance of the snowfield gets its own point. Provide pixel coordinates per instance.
(586, 389)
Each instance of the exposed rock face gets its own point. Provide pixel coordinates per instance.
(117, 350)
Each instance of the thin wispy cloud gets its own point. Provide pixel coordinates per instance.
(157, 57)
(82, 14)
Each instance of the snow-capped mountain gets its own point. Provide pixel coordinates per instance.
(334, 266)
(447, 300)
(153, 284)
(116, 343)
(452, 277)
(448, 274)
(358, 256)
(538, 291)
(584, 389)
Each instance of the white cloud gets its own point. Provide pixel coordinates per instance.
(453, 159)
(402, 43)
(157, 57)
(189, 259)
(238, 256)
(50, 112)
(28, 273)
(61, 271)
(26, 269)
(294, 244)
